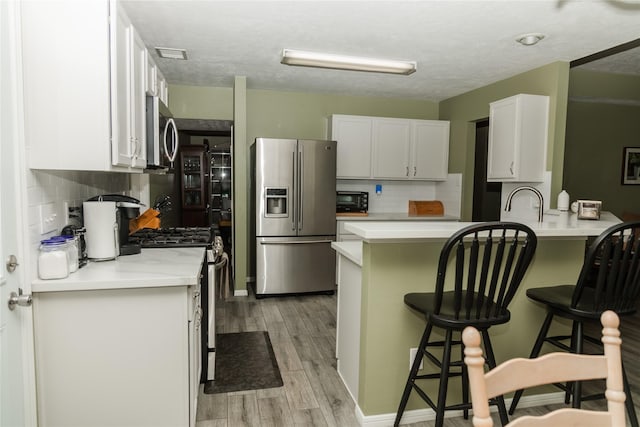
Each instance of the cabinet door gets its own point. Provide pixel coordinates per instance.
(518, 132)
(430, 150)
(151, 82)
(163, 88)
(121, 42)
(138, 74)
(353, 135)
(391, 143)
(503, 137)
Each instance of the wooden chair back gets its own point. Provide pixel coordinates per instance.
(521, 373)
(489, 261)
(610, 276)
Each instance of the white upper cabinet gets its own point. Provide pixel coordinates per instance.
(391, 149)
(353, 134)
(163, 89)
(518, 129)
(151, 83)
(82, 86)
(430, 150)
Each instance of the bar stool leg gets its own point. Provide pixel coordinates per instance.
(570, 385)
(534, 353)
(577, 385)
(631, 409)
(465, 384)
(412, 374)
(444, 378)
(491, 361)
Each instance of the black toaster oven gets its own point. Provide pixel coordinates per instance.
(352, 201)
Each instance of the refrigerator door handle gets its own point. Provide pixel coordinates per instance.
(294, 195)
(294, 242)
(300, 187)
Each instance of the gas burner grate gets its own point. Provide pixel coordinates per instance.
(172, 237)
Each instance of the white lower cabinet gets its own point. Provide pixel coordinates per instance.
(117, 357)
(348, 324)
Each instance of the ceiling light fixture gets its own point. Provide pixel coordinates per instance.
(341, 62)
(529, 39)
(171, 53)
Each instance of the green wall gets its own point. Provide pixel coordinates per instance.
(600, 123)
(466, 109)
(306, 115)
(263, 113)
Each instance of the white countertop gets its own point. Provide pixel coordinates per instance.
(559, 225)
(151, 268)
(396, 216)
(350, 249)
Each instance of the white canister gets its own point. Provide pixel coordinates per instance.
(563, 201)
(100, 221)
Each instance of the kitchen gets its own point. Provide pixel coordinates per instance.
(240, 102)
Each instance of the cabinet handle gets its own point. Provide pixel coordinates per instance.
(414, 171)
(132, 147)
(407, 170)
(511, 168)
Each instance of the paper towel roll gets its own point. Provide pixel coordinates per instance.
(101, 223)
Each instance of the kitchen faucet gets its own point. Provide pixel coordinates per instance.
(532, 189)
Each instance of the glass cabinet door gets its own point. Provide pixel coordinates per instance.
(193, 183)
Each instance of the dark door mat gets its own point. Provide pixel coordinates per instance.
(244, 361)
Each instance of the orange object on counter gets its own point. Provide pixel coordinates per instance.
(426, 208)
(148, 219)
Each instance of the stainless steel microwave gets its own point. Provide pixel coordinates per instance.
(352, 201)
(162, 135)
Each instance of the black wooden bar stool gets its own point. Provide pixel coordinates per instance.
(609, 280)
(490, 260)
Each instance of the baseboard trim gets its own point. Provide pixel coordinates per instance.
(240, 293)
(419, 415)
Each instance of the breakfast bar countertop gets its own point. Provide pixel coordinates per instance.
(558, 225)
(153, 267)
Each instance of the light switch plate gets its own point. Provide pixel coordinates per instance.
(48, 218)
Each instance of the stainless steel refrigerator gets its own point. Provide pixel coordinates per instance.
(295, 186)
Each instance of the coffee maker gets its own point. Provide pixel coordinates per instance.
(127, 208)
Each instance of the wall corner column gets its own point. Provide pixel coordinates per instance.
(240, 185)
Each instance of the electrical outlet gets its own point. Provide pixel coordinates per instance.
(412, 356)
(48, 218)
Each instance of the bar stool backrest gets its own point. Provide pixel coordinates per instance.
(490, 261)
(610, 276)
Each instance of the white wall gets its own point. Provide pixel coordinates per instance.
(53, 188)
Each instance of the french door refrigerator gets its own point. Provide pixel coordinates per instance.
(295, 186)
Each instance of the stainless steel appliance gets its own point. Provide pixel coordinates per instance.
(162, 135)
(192, 237)
(352, 201)
(295, 185)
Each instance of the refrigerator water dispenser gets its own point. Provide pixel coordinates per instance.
(276, 201)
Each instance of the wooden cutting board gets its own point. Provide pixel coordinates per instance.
(426, 208)
(352, 214)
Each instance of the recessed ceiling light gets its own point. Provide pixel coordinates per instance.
(529, 39)
(342, 62)
(171, 53)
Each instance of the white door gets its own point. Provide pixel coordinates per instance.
(17, 395)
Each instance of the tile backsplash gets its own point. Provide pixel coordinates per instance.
(395, 195)
(52, 189)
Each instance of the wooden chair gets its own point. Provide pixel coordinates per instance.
(551, 368)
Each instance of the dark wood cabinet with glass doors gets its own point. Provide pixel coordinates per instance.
(194, 174)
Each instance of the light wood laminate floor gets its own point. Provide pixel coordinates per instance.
(302, 331)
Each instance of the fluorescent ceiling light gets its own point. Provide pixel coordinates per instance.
(171, 53)
(341, 62)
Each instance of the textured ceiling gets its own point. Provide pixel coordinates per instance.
(459, 45)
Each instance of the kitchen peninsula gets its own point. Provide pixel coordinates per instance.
(376, 330)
